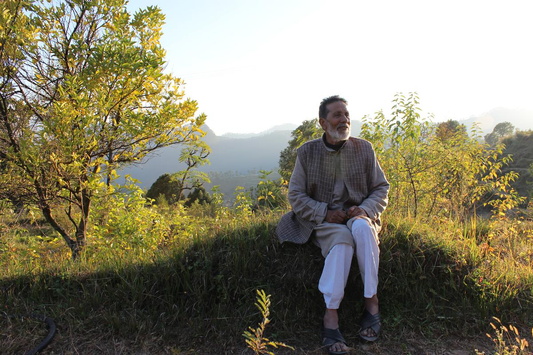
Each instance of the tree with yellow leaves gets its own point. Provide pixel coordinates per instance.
(83, 92)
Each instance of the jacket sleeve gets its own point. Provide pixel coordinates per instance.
(303, 205)
(377, 200)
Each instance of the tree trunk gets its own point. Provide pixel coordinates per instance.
(47, 212)
(81, 228)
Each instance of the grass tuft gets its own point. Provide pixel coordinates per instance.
(255, 338)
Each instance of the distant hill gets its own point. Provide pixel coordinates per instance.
(241, 155)
(522, 119)
(258, 152)
(282, 127)
(520, 147)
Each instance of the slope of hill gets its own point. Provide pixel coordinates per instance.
(242, 153)
(228, 154)
(520, 147)
(281, 127)
(522, 119)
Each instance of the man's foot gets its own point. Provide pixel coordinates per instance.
(371, 320)
(370, 326)
(332, 337)
(334, 341)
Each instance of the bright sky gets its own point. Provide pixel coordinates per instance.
(255, 64)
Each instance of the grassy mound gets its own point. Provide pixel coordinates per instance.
(439, 279)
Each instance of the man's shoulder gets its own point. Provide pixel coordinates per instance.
(310, 144)
(361, 145)
(360, 141)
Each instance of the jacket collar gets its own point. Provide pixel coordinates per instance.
(331, 148)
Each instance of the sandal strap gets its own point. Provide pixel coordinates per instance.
(333, 334)
(370, 320)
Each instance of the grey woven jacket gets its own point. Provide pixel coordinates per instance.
(311, 187)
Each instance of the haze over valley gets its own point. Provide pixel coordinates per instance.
(236, 159)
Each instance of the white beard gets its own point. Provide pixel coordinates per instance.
(336, 135)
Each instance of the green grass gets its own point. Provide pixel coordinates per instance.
(200, 290)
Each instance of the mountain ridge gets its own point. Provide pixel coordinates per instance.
(242, 153)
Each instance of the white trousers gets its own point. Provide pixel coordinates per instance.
(338, 262)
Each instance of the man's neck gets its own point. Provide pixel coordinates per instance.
(335, 147)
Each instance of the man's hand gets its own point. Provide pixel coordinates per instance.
(355, 211)
(337, 216)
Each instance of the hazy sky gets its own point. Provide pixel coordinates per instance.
(253, 64)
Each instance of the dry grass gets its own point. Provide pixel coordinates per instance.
(440, 284)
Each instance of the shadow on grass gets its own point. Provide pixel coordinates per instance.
(206, 293)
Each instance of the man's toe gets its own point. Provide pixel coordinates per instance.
(338, 347)
(369, 332)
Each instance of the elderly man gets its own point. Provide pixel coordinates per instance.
(338, 193)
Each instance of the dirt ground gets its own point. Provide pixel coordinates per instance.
(410, 344)
(18, 337)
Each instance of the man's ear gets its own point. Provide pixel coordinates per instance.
(323, 124)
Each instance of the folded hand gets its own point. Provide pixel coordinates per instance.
(337, 216)
(355, 211)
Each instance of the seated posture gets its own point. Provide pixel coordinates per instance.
(338, 192)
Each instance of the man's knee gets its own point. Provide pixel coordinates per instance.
(363, 232)
(360, 226)
(341, 248)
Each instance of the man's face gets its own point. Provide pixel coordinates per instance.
(337, 122)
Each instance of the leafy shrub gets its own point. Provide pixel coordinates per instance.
(127, 221)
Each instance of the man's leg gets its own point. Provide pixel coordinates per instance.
(335, 274)
(367, 253)
(332, 284)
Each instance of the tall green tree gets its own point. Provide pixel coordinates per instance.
(432, 173)
(401, 143)
(530, 182)
(199, 195)
(520, 147)
(450, 130)
(194, 155)
(15, 34)
(307, 131)
(270, 194)
(83, 91)
(164, 187)
(499, 132)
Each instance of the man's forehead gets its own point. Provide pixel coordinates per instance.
(337, 106)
